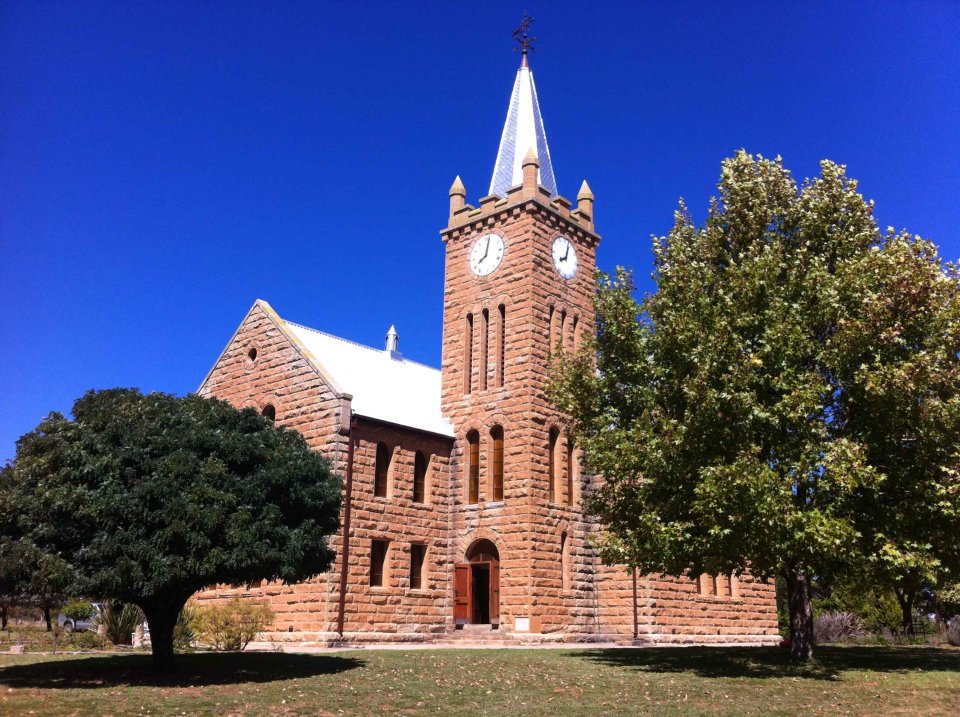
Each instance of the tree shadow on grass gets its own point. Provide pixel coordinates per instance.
(772, 662)
(193, 670)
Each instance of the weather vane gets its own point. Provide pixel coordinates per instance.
(522, 36)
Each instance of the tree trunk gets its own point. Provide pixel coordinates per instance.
(46, 618)
(801, 612)
(906, 598)
(3, 616)
(162, 619)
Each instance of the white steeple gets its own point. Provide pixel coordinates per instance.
(522, 132)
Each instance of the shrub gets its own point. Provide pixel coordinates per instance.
(835, 626)
(876, 606)
(953, 632)
(78, 610)
(232, 625)
(185, 631)
(120, 620)
(85, 640)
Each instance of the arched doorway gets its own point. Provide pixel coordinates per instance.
(476, 586)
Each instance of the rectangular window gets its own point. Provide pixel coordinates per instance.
(420, 478)
(381, 471)
(378, 562)
(418, 551)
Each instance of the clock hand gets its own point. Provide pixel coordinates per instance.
(486, 250)
(567, 253)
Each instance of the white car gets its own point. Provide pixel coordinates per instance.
(70, 625)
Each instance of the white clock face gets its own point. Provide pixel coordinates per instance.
(564, 257)
(486, 254)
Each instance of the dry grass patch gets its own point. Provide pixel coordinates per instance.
(676, 681)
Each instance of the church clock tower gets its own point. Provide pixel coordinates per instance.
(519, 285)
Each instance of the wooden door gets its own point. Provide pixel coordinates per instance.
(462, 590)
(495, 592)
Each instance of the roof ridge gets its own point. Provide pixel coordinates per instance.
(356, 343)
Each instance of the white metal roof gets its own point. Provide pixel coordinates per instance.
(522, 130)
(384, 385)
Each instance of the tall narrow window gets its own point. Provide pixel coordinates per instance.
(564, 562)
(473, 467)
(571, 470)
(502, 360)
(382, 471)
(551, 322)
(378, 562)
(418, 551)
(496, 478)
(468, 356)
(574, 336)
(561, 334)
(552, 461)
(484, 349)
(269, 412)
(420, 478)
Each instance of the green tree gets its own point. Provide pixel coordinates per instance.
(14, 575)
(50, 581)
(895, 357)
(28, 576)
(733, 413)
(154, 497)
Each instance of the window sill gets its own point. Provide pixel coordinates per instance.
(483, 505)
(419, 592)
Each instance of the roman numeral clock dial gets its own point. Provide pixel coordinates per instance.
(486, 254)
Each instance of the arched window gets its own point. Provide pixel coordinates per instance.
(269, 412)
(473, 467)
(575, 335)
(496, 475)
(571, 471)
(502, 334)
(484, 349)
(552, 463)
(420, 478)
(564, 562)
(382, 471)
(552, 322)
(468, 356)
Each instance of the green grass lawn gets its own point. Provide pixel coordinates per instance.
(732, 682)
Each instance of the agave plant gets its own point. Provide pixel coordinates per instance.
(120, 620)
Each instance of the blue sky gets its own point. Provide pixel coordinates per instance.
(162, 165)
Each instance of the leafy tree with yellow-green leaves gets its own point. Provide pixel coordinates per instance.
(786, 402)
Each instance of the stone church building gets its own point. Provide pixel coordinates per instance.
(462, 495)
